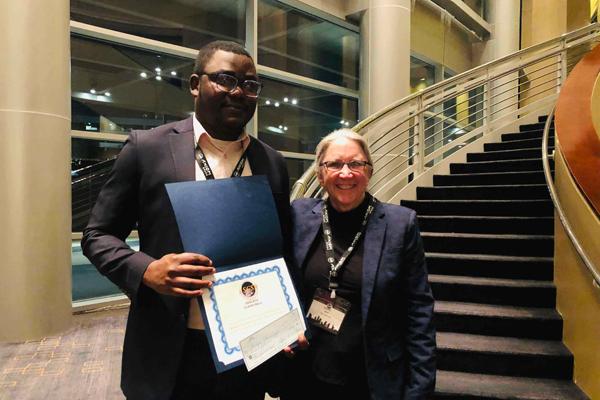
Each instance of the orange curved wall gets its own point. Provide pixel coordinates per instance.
(579, 142)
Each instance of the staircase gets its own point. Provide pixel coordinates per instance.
(85, 187)
(487, 229)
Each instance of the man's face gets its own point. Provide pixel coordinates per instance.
(224, 115)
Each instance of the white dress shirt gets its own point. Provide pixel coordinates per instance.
(222, 156)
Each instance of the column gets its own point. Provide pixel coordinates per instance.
(504, 16)
(35, 156)
(385, 54)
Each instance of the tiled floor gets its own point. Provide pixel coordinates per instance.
(83, 363)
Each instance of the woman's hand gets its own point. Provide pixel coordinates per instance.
(302, 345)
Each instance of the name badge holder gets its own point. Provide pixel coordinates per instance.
(327, 313)
(328, 310)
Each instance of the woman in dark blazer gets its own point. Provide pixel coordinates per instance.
(365, 286)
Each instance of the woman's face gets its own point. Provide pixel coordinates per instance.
(346, 188)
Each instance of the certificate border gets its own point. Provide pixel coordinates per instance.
(230, 350)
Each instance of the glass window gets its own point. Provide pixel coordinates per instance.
(115, 88)
(479, 6)
(86, 152)
(294, 118)
(296, 167)
(306, 45)
(181, 22)
(476, 107)
(91, 162)
(422, 74)
(87, 281)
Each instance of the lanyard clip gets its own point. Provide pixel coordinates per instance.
(332, 285)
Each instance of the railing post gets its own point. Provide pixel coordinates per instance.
(420, 135)
(562, 74)
(487, 101)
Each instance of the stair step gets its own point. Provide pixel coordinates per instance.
(472, 243)
(490, 178)
(486, 192)
(514, 292)
(524, 208)
(492, 266)
(526, 164)
(453, 385)
(496, 320)
(488, 232)
(534, 152)
(506, 137)
(516, 144)
(487, 224)
(533, 127)
(503, 356)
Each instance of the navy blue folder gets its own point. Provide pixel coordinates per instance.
(232, 221)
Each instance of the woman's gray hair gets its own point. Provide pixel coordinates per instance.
(339, 134)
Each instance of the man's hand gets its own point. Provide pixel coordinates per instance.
(179, 274)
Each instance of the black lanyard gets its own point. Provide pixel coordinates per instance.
(334, 268)
(207, 171)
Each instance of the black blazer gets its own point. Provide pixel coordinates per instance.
(396, 300)
(135, 193)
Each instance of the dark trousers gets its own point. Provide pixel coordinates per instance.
(197, 377)
(303, 383)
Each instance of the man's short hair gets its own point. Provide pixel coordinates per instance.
(207, 51)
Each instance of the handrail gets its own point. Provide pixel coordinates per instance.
(481, 68)
(558, 207)
(92, 167)
(413, 134)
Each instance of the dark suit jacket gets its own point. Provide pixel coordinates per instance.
(135, 192)
(397, 305)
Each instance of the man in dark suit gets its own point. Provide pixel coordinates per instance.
(165, 354)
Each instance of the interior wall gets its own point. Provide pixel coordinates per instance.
(540, 22)
(431, 37)
(578, 300)
(438, 41)
(339, 8)
(578, 14)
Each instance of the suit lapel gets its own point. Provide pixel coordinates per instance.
(306, 232)
(374, 238)
(259, 164)
(181, 141)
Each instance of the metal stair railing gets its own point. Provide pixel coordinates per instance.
(85, 185)
(90, 170)
(411, 136)
(558, 206)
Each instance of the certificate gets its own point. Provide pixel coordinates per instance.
(235, 223)
(241, 302)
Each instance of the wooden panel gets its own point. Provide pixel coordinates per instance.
(577, 138)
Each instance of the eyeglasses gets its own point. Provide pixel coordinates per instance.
(228, 83)
(354, 165)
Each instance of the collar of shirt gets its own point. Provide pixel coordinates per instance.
(221, 147)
